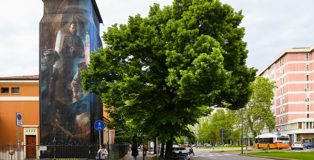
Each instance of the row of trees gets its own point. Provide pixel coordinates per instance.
(257, 116)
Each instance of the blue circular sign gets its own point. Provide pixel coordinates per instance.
(99, 125)
(19, 116)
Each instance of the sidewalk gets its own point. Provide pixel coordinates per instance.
(140, 156)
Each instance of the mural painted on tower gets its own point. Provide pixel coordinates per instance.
(68, 33)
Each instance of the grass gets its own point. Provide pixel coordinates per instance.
(251, 150)
(288, 155)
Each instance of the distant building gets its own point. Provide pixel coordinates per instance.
(293, 104)
(20, 94)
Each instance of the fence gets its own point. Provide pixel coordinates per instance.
(9, 152)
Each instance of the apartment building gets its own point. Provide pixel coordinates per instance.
(293, 103)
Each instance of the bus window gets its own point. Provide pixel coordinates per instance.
(283, 139)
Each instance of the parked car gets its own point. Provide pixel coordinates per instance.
(297, 145)
(308, 145)
(180, 153)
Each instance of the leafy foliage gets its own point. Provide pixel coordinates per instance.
(162, 72)
(209, 131)
(123, 139)
(259, 113)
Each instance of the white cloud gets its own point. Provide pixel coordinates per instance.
(271, 26)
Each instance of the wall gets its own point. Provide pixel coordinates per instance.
(69, 31)
(26, 102)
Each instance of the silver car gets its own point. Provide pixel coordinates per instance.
(180, 153)
(297, 145)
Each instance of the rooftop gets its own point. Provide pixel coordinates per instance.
(28, 77)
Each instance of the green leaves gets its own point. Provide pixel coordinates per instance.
(259, 113)
(162, 72)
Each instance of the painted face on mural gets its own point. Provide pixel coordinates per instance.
(73, 29)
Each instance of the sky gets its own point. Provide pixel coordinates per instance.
(271, 26)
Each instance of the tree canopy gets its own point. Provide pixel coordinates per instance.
(163, 71)
(209, 130)
(258, 113)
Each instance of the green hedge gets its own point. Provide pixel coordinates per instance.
(122, 139)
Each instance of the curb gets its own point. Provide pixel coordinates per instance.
(265, 157)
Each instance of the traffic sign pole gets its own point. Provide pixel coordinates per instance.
(99, 125)
(99, 138)
(19, 122)
(18, 142)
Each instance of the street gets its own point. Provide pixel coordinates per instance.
(207, 154)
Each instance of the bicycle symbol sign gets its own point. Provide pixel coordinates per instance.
(99, 125)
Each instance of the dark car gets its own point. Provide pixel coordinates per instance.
(180, 153)
(308, 145)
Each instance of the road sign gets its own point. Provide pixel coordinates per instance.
(19, 120)
(278, 134)
(99, 125)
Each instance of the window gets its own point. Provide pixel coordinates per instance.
(307, 115)
(308, 107)
(281, 61)
(307, 77)
(5, 90)
(281, 81)
(307, 99)
(307, 67)
(307, 85)
(15, 90)
(307, 56)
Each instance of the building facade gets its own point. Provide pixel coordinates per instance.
(69, 32)
(20, 94)
(293, 103)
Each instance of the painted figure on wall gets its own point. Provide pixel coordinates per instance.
(67, 100)
(65, 49)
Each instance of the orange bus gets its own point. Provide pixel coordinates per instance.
(270, 140)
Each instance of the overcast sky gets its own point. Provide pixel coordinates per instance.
(271, 26)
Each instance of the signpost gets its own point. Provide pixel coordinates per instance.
(19, 122)
(99, 125)
(278, 130)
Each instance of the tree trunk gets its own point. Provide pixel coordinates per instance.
(162, 152)
(169, 150)
(154, 147)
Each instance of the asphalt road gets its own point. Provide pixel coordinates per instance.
(207, 154)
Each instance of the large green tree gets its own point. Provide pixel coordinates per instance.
(259, 114)
(163, 71)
